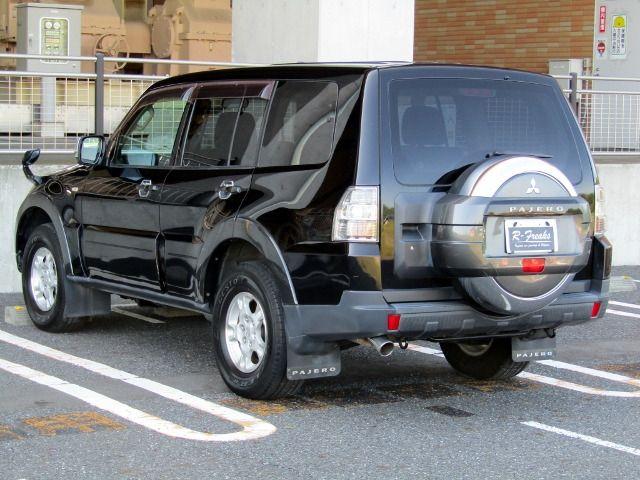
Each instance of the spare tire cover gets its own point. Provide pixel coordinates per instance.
(507, 192)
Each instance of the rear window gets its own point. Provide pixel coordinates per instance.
(440, 125)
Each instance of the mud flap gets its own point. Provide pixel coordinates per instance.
(526, 350)
(308, 357)
(313, 365)
(83, 301)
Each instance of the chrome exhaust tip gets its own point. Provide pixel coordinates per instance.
(383, 345)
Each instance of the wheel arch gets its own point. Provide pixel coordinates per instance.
(37, 210)
(249, 241)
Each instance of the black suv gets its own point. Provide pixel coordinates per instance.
(304, 209)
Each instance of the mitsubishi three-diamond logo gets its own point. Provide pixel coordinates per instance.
(533, 188)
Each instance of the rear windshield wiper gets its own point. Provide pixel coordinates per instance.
(520, 154)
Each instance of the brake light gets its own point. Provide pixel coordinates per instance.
(356, 217)
(600, 220)
(393, 321)
(595, 310)
(533, 265)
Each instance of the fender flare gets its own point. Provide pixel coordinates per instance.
(41, 201)
(257, 235)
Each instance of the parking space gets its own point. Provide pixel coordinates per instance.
(137, 395)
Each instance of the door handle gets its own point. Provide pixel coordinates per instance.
(146, 187)
(228, 188)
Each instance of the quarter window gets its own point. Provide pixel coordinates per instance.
(301, 124)
(148, 140)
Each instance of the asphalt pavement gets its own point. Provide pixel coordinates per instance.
(136, 395)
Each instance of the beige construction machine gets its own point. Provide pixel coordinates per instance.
(169, 29)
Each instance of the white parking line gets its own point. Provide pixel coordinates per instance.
(139, 316)
(252, 427)
(555, 382)
(623, 314)
(584, 438)
(623, 304)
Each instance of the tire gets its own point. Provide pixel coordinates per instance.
(483, 361)
(46, 311)
(251, 291)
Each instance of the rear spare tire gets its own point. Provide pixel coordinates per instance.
(501, 212)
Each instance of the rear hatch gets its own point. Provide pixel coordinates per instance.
(481, 169)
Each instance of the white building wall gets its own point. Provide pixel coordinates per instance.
(372, 30)
(280, 31)
(274, 31)
(622, 202)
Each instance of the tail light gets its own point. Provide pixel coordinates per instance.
(595, 309)
(393, 321)
(600, 221)
(533, 265)
(356, 217)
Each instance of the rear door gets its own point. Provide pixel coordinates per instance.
(436, 125)
(120, 209)
(212, 174)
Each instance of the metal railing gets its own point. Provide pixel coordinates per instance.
(608, 109)
(51, 111)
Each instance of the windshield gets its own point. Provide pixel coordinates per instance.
(441, 125)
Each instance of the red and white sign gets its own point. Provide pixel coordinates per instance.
(601, 47)
(603, 19)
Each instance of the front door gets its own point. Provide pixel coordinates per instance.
(120, 212)
(212, 175)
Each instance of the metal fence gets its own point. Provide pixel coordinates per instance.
(608, 109)
(51, 111)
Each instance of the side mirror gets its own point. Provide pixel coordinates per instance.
(30, 157)
(90, 149)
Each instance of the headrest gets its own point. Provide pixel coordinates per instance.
(422, 125)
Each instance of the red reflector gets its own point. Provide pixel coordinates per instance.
(533, 265)
(595, 310)
(393, 321)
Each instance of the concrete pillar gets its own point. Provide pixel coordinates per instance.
(282, 31)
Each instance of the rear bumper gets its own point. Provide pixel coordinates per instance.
(364, 314)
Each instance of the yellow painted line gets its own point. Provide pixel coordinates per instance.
(252, 427)
(85, 422)
(7, 433)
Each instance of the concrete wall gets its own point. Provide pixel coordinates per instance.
(13, 189)
(280, 31)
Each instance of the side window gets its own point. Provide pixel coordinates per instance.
(225, 127)
(301, 123)
(149, 138)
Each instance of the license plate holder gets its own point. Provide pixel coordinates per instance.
(524, 236)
